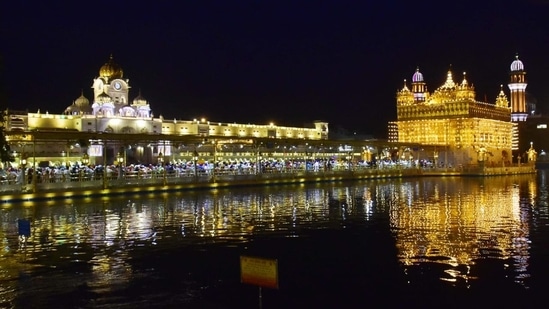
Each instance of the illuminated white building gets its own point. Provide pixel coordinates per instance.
(112, 112)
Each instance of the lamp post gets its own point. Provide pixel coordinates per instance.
(104, 149)
(214, 143)
(195, 159)
(120, 160)
(161, 165)
(85, 162)
(85, 159)
(257, 161)
(23, 164)
(160, 158)
(63, 156)
(350, 160)
(33, 166)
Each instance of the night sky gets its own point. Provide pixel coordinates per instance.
(291, 62)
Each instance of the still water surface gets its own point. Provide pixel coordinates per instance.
(421, 242)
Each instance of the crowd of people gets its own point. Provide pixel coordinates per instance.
(81, 172)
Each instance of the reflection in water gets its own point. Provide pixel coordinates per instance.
(451, 222)
(456, 221)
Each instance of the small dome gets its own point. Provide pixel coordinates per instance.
(405, 87)
(71, 110)
(103, 97)
(78, 110)
(111, 70)
(464, 82)
(517, 65)
(82, 100)
(417, 77)
(449, 83)
(139, 100)
(501, 99)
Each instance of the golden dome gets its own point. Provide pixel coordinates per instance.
(82, 100)
(139, 100)
(111, 70)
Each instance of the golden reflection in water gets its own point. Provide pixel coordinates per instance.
(455, 221)
(102, 235)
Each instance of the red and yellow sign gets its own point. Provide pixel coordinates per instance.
(259, 271)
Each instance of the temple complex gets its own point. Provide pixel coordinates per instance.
(466, 131)
(111, 111)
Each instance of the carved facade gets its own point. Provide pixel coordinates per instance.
(468, 131)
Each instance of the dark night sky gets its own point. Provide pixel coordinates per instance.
(290, 62)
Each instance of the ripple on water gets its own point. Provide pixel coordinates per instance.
(416, 238)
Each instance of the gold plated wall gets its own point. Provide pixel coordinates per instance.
(450, 117)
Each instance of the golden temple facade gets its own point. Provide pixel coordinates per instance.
(468, 131)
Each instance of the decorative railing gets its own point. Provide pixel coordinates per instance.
(164, 178)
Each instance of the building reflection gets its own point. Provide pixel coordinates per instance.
(454, 222)
(458, 221)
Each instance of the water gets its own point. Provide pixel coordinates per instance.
(422, 242)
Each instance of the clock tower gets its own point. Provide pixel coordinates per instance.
(111, 83)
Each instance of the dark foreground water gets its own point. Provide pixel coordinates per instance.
(414, 243)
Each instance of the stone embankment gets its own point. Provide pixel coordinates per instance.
(82, 188)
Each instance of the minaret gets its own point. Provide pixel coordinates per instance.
(418, 86)
(517, 86)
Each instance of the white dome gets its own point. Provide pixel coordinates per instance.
(139, 100)
(82, 101)
(517, 65)
(417, 77)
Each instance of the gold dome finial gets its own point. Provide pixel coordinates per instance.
(464, 82)
(405, 87)
(501, 99)
(111, 70)
(449, 83)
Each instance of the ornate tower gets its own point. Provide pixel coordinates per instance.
(112, 83)
(418, 87)
(463, 129)
(517, 86)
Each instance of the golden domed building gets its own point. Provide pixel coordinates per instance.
(111, 83)
(110, 96)
(111, 111)
(463, 130)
